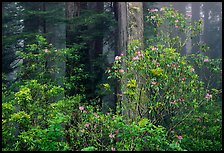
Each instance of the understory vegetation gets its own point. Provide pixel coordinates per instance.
(163, 105)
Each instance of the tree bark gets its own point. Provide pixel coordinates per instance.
(130, 28)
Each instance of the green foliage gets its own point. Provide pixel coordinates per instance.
(159, 84)
(203, 130)
(106, 132)
(32, 116)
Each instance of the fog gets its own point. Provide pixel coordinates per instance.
(211, 15)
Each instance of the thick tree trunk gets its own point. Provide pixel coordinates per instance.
(130, 27)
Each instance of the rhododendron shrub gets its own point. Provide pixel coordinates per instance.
(93, 130)
(162, 85)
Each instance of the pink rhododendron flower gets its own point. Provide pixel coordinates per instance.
(46, 51)
(176, 26)
(154, 83)
(192, 70)
(162, 9)
(153, 17)
(183, 79)
(173, 65)
(135, 58)
(189, 15)
(173, 102)
(111, 135)
(176, 21)
(112, 149)
(154, 48)
(117, 58)
(153, 10)
(122, 54)
(95, 114)
(179, 137)
(208, 96)
(121, 71)
(87, 125)
(81, 108)
(157, 64)
(206, 60)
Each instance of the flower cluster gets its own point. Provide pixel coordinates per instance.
(208, 96)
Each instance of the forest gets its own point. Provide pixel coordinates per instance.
(111, 76)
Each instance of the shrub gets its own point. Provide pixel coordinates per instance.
(159, 84)
(106, 132)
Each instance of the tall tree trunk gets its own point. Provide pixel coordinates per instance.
(130, 27)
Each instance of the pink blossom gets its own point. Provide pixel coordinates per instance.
(154, 83)
(189, 15)
(192, 70)
(154, 48)
(95, 126)
(153, 17)
(95, 114)
(87, 125)
(157, 64)
(173, 102)
(208, 96)
(153, 10)
(162, 9)
(111, 135)
(206, 60)
(173, 65)
(176, 26)
(135, 58)
(176, 21)
(122, 54)
(81, 108)
(112, 149)
(121, 71)
(117, 58)
(179, 137)
(139, 53)
(183, 79)
(46, 51)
